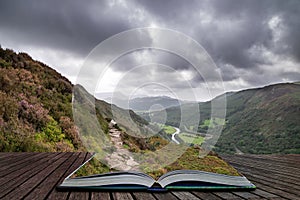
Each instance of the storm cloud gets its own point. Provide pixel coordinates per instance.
(253, 42)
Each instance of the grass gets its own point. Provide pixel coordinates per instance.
(212, 123)
(169, 129)
(94, 166)
(191, 138)
(190, 160)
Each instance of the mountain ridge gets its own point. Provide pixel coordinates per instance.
(255, 116)
(36, 112)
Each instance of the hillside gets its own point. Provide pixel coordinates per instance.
(145, 103)
(261, 120)
(36, 113)
(140, 104)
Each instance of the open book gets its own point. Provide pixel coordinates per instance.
(173, 180)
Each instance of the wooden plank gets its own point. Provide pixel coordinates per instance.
(284, 159)
(267, 173)
(14, 158)
(185, 195)
(282, 190)
(19, 165)
(4, 155)
(277, 186)
(11, 184)
(82, 193)
(165, 195)
(23, 170)
(11, 155)
(42, 190)
(122, 195)
(31, 183)
(267, 164)
(265, 183)
(271, 160)
(226, 195)
(247, 195)
(265, 194)
(280, 170)
(206, 195)
(276, 174)
(259, 161)
(100, 195)
(278, 192)
(143, 196)
(293, 156)
(54, 194)
(79, 196)
(272, 178)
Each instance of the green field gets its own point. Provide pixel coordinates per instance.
(191, 138)
(169, 129)
(211, 123)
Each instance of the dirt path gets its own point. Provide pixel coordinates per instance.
(121, 158)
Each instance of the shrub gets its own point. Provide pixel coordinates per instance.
(8, 110)
(33, 113)
(52, 132)
(70, 130)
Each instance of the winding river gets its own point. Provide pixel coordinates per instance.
(173, 135)
(206, 136)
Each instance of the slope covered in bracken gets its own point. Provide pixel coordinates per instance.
(36, 112)
(36, 107)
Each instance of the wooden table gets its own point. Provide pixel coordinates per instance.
(35, 176)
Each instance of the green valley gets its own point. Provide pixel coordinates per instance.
(260, 120)
(191, 138)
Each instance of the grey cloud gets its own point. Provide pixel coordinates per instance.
(289, 42)
(234, 29)
(155, 76)
(171, 10)
(230, 30)
(254, 15)
(75, 26)
(131, 60)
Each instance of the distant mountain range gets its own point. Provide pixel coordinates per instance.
(141, 104)
(146, 103)
(260, 120)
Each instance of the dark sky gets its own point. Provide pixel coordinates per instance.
(252, 42)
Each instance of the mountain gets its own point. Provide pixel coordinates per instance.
(263, 120)
(36, 113)
(36, 107)
(140, 104)
(260, 120)
(145, 103)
